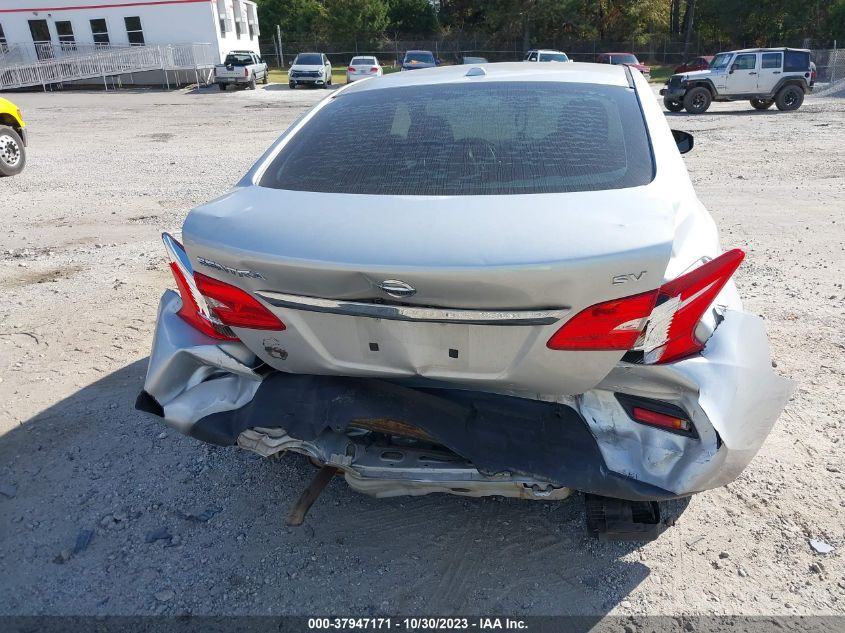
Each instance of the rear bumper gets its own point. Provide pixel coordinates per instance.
(224, 394)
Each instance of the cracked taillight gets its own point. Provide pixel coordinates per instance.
(664, 320)
(212, 306)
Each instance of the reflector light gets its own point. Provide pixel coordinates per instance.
(669, 315)
(654, 418)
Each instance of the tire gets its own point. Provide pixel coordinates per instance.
(789, 98)
(672, 105)
(697, 100)
(12, 152)
(762, 104)
(252, 82)
(222, 87)
(291, 85)
(266, 79)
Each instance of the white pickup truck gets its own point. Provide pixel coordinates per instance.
(241, 68)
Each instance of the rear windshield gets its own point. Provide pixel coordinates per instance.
(238, 59)
(470, 139)
(308, 59)
(363, 61)
(623, 59)
(422, 57)
(553, 57)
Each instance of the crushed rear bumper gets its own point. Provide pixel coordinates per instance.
(470, 442)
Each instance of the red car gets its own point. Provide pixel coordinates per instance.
(624, 59)
(697, 63)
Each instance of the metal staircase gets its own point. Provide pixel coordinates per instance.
(58, 65)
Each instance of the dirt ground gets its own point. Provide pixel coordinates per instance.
(86, 481)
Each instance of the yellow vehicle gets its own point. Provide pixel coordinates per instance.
(12, 139)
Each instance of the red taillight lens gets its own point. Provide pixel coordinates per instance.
(246, 72)
(680, 306)
(672, 312)
(374, 69)
(211, 306)
(612, 325)
(235, 307)
(655, 418)
(190, 311)
(351, 69)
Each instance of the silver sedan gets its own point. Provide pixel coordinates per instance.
(489, 280)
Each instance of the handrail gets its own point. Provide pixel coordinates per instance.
(103, 62)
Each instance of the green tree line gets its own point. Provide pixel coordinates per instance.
(757, 22)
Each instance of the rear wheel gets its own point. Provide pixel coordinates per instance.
(291, 85)
(222, 87)
(673, 105)
(12, 153)
(697, 100)
(266, 79)
(789, 98)
(762, 104)
(252, 82)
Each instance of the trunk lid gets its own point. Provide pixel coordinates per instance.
(546, 254)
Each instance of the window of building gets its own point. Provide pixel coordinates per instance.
(4, 46)
(251, 21)
(238, 18)
(134, 31)
(65, 31)
(100, 32)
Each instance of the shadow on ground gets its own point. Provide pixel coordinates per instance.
(178, 527)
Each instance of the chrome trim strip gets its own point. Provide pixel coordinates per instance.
(413, 313)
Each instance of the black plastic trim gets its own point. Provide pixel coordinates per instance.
(628, 403)
(544, 440)
(146, 403)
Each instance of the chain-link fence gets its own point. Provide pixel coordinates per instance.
(452, 47)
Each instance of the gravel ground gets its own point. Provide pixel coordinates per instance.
(104, 511)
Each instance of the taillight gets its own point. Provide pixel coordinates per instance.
(235, 307)
(663, 420)
(374, 69)
(351, 69)
(669, 315)
(212, 306)
(612, 325)
(680, 305)
(246, 72)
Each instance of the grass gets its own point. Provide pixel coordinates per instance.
(660, 73)
(338, 74)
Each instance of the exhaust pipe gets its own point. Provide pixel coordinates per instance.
(610, 519)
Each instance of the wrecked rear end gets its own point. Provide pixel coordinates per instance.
(498, 332)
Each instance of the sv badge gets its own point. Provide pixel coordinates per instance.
(628, 277)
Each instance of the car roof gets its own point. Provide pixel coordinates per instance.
(309, 53)
(575, 72)
(767, 50)
(545, 50)
(618, 53)
(416, 50)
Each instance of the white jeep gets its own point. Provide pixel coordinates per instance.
(763, 76)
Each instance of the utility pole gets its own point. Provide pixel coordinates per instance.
(690, 20)
(281, 46)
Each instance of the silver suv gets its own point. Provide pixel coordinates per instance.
(763, 76)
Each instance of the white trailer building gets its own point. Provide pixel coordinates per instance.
(45, 31)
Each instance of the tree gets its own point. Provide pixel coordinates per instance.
(294, 16)
(353, 21)
(412, 17)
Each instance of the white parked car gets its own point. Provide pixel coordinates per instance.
(363, 67)
(311, 69)
(476, 280)
(546, 55)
